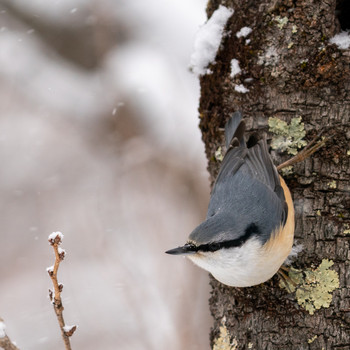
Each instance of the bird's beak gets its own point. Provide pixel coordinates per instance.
(184, 250)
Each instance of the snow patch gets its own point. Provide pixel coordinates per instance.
(235, 69)
(245, 31)
(241, 88)
(342, 40)
(2, 330)
(68, 329)
(208, 40)
(53, 235)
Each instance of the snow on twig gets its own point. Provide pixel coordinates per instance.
(55, 239)
(5, 342)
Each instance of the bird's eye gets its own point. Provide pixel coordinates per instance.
(191, 247)
(214, 247)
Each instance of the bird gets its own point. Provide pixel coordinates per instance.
(248, 232)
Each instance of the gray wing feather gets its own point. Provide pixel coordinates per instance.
(234, 129)
(247, 190)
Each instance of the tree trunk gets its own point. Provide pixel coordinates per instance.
(291, 70)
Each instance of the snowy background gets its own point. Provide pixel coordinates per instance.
(99, 140)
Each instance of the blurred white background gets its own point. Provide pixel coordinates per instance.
(99, 140)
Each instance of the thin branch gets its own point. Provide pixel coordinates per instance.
(55, 240)
(5, 342)
(311, 148)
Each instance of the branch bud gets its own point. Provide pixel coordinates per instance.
(61, 253)
(69, 330)
(55, 238)
(50, 271)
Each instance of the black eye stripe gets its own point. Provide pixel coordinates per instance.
(212, 247)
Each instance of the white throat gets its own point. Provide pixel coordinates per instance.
(243, 266)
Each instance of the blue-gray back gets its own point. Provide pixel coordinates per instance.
(247, 192)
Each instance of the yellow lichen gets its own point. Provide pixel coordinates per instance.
(318, 212)
(313, 287)
(332, 184)
(223, 342)
(288, 137)
(346, 229)
(348, 152)
(218, 154)
(311, 340)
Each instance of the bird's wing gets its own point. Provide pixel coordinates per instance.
(247, 188)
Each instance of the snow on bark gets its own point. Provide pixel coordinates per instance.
(208, 40)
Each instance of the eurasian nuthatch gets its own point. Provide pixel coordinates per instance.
(249, 229)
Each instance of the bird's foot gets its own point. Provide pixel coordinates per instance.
(287, 282)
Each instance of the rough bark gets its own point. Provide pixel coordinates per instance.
(296, 72)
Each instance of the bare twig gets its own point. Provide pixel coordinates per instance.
(311, 148)
(5, 342)
(55, 240)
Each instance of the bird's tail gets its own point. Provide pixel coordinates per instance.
(234, 131)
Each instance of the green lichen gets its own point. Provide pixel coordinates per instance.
(313, 287)
(287, 170)
(294, 29)
(288, 137)
(218, 155)
(348, 152)
(281, 21)
(223, 342)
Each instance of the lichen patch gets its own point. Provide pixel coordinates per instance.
(281, 21)
(223, 342)
(288, 137)
(313, 287)
(332, 184)
(346, 229)
(218, 155)
(311, 340)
